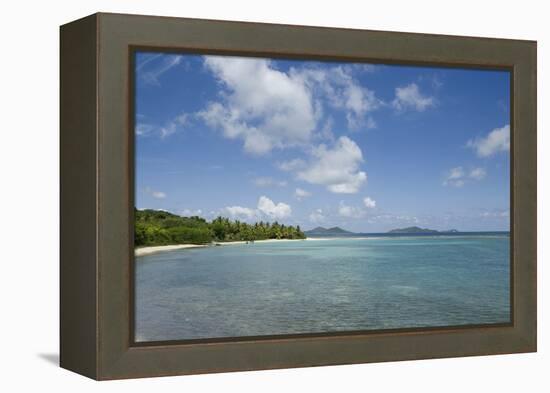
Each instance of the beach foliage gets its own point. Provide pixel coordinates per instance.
(156, 228)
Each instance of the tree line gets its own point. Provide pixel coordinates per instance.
(155, 228)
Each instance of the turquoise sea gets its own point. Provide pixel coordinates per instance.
(329, 285)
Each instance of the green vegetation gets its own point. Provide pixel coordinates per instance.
(156, 228)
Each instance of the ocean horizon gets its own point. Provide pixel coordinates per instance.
(411, 234)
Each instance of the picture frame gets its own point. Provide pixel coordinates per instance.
(97, 182)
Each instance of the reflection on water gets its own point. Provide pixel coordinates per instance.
(322, 286)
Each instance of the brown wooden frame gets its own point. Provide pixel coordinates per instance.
(97, 196)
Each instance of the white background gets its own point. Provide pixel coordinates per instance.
(29, 194)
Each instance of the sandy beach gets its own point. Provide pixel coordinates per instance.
(139, 252)
(257, 241)
(142, 251)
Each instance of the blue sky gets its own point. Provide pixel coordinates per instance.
(365, 147)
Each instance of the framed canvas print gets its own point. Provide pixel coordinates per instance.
(240, 196)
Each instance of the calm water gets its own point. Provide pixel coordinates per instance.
(322, 286)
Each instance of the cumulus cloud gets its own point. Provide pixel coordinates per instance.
(369, 203)
(265, 208)
(341, 90)
(301, 194)
(271, 109)
(336, 168)
(457, 177)
(498, 140)
(356, 211)
(261, 105)
(272, 209)
(239, 212)
(409, 97)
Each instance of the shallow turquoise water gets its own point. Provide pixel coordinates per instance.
(322, 286)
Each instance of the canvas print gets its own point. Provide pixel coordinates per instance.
(286, 197)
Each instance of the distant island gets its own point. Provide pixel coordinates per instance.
(420, 230)
(337, 231)
(320, 231)
(160, 228)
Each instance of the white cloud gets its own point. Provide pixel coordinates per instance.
(261, 105)
(269, 182)
(268, 108)
(301, 194)
(191, 213)
(146, 129)
(182, 119)
(273, 210)
(496, 213)
(265, 208)
(477, 173)
(457, 177)
(345, 211)
(409, 97)
(369, 203)
(456, 173)
(336, 168)
(326, 130)
(394, 219)
(341, 90)
(363, 67)
(155, 193)
(152, 75)
(291, 165)
(239, 212)
(498, 140)
(317, 216)
(350, 211)
(148, 59)
(167, 130)
(158, 194)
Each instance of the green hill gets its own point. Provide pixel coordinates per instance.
(334, 231)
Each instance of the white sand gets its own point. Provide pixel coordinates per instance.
(139, 252)
(257, 241)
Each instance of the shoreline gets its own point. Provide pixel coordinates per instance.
(255, 241)
(143, 251)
